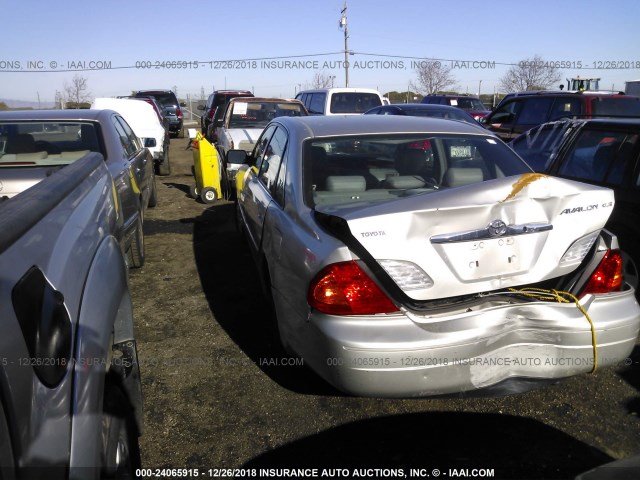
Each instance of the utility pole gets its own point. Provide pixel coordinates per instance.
(343, 24)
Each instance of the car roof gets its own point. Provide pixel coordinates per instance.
(457, 95)
(338, 125)
(151, 92)
(262, 99)
(70, 114)
(568, 93)
(230, 91)
(420, 106)
(341, 90)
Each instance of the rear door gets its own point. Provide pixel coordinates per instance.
(261, 184)
(132, 175)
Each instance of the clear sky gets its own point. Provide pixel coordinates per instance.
(384, 36)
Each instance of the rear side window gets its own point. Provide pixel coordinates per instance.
(316, 103)
(565, 107)
(601, 156)
(353, 102)
(535, 111)
(616, 106)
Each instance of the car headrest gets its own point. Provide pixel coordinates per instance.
(20, 143)
(349, 183)
(455, 177)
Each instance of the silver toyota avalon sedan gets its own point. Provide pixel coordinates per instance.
(415, 257)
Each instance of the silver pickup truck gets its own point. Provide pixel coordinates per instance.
(70, 396)
(34, 144)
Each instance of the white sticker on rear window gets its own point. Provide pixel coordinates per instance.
(454, 102)
(240, 108)
(491, 141)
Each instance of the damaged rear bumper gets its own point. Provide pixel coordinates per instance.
(410, 355)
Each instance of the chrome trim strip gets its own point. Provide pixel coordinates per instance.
(484, 233)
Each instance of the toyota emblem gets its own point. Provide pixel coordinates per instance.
(497, 228)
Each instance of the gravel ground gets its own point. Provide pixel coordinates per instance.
(215, 398)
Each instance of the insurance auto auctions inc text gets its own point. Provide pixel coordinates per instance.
(371, 64)
(374, 473)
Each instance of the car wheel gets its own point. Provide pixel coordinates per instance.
(120, 448)
(136, 250)
(208, 195)
(164, 167)
(153, 196)
(193, 191)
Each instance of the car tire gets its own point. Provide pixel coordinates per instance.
(208, 195)
(136, 249)
(153, 195)
(164, 167)
(193, 191)
(120, 448)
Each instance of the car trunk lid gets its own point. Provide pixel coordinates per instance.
(481, 237)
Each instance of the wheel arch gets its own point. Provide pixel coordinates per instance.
(105, 320)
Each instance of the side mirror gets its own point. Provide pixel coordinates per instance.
(150, 142)
(182, 104)
(237, 157)
(200, 107)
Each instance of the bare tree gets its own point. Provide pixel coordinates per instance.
(433, 77)
(76, 92)
(322, 80)
(530, 74)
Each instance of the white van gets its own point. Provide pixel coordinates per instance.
(340, 101)
(145, 124)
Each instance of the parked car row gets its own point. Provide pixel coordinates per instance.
(172, 110)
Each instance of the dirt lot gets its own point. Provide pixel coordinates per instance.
(218, 396)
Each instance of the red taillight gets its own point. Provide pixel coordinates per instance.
(608, 277)
(178, 112)
(211, 112)
(345, 289)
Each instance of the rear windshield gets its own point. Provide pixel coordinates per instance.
(622, 107)
(165, 98)
(353, 102)
(467, 103)
(258, 114)
(46, 143)
(367, 169)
